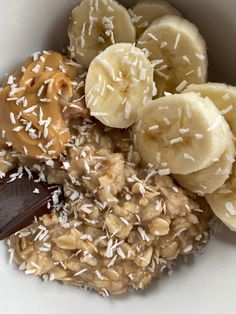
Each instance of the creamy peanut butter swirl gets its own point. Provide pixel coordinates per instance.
(31, 105)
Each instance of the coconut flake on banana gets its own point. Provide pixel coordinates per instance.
(223, 96)
(118, 85)
(177, 52)
(95, 25)
(181, 133)
(146, 11)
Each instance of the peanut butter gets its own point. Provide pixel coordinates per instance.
(2, 143)
(31, 105)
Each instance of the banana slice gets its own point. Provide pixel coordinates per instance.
(178, 53)
(208, 180)
(146, 11)
(223, 202)
(181, 133)
(223, 96)
(118, 85)
(224, 207)
(95, 25)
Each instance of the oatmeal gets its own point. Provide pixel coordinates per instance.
(122, 223)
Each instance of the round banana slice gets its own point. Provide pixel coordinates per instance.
(181, 133)
(118, 85)
(95, 25)
(223, 202)
(178, 53)
(208, 180)
(146, 11)
(223, 96)
(223, 206)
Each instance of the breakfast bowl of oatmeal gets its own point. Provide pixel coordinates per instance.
(117, 168)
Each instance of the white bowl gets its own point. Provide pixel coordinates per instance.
(206, 284)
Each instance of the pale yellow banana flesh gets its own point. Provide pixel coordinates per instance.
(178, 53)
(118, 85)
(223, 96)
(146, 11)
(181, 133)
(223, 201)
(223, 205)
(95, 25)
(208, 180)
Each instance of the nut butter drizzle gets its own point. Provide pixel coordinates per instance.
(31, 105)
